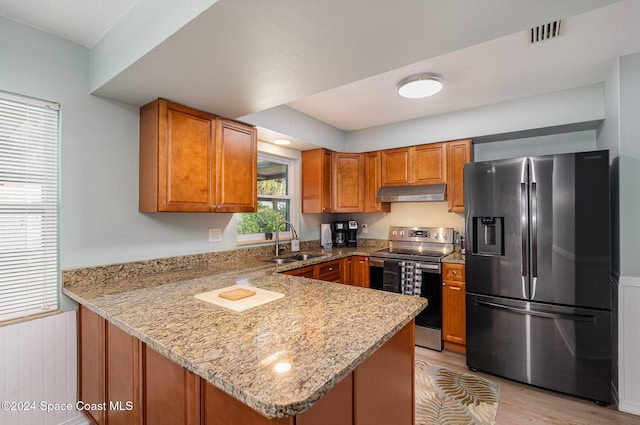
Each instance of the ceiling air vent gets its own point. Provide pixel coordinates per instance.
(545, 32)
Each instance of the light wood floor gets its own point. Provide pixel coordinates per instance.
(524, 404)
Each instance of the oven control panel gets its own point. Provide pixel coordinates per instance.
(421, 234)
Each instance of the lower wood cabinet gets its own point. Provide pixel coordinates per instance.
(330, 271)
(358, 271)
(123, 357)
(91, 332)
(117, 367)
(171, 394)
(454, 326)
(352, 270)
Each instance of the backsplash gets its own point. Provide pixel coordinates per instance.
(121, 271)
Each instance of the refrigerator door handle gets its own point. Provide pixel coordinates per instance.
(547, 314)
(524, 232)
(534, 238)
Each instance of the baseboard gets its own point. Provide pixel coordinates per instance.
(629, 407)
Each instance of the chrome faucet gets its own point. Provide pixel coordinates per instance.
(293, 233)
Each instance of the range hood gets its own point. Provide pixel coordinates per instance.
(428, 193)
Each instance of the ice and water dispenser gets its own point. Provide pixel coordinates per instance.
(488, 235)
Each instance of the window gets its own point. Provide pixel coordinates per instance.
(28, 207)
(274, 200)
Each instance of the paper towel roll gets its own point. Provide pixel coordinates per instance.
(325, 236)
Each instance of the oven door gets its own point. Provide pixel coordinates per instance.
(429, 321)
(376, 271)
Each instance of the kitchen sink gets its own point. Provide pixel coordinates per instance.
(280, 260)
(302, 257)
(291, 258)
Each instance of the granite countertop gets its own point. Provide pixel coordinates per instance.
(323, 330)
(454, 258)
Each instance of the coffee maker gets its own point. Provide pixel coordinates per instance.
(352, 230)
(340, 231)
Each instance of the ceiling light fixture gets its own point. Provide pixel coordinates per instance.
(282, 142)
(420, 85)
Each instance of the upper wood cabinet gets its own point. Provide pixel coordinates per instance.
(316, 181)
(458, 154)
(332, 181)
(348, 182)
(414, 165)
(372, 182)
(193, 161)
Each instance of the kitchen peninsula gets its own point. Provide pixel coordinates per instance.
(325, 353)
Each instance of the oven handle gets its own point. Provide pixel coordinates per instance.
(429, 267)
(426, 267)
(376, 262)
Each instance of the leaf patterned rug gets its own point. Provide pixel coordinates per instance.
(449, 397)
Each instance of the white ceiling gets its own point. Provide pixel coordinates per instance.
(82, 21)
(339, 61)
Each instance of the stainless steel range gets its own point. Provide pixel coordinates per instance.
(411, 265)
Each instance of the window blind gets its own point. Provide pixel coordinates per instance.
(29, 271)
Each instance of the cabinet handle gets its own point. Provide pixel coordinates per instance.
(455, 272)
(330, 269)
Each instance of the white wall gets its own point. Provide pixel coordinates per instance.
(628, 167)
(579, 105)
(99, 218)
(579, 141)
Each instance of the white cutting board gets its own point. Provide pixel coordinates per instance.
(261, 297)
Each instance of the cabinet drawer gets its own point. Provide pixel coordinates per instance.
(302, 272)
(453, 272)
(330, 271)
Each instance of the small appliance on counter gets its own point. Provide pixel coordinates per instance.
(345, 233)
(340, 233)
(352, 230)
(325, 236)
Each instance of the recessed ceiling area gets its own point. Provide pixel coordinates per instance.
(340, 61)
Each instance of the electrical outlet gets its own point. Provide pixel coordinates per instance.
(365, 228)
(215, 235)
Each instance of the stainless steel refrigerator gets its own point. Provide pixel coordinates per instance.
(538, 271)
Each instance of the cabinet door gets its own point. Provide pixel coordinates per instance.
(453, 308)
(123, 377)
(396, 167)
(429, 164)
(372, 182)
(236, 157)
(91, 332)
(454, 314)
(171, 393)
(458, 154)
(359, 271)
(348, 182)
(184, 159)
(316, 181)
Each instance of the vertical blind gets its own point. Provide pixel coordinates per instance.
(29, 270)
